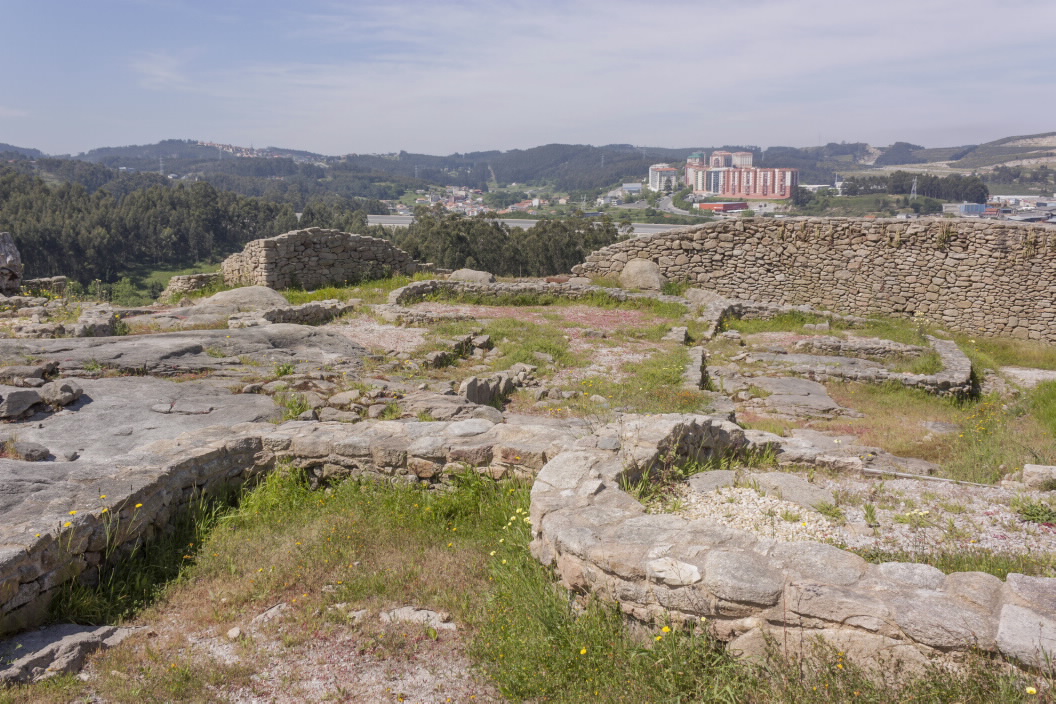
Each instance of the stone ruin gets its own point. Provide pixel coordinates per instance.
(10, 266)
(753, 591)
(976, 276)
(313, 258)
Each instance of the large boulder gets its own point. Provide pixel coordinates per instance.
(472, 275)
(10, 265)
(642, 274)
(247, 298)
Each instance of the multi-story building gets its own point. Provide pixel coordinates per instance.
(662, 177)
(731, 174)
(694, 164)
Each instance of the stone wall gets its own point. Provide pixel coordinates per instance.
(141, 504)
(982, 277)
(314, 258)
(754, 590)
(179, 285)
(148, 489)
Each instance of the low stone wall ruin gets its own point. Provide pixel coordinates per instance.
(980, 277)
(314, 258)
(752, 590)
(180, 285)
(141, 499)
(420, 290)
(599, 538)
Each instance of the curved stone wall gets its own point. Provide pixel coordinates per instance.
(981, 277)
(314, 258)
(755, 590)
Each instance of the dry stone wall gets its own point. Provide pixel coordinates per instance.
(148, 489)
(179, 285)
(982, 277)
(754, 590)
(313, 258)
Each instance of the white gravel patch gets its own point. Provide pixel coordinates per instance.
(914, 516)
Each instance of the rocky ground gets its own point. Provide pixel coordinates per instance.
(135, 392)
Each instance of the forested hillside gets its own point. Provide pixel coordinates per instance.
(454, 241)
(68, 229)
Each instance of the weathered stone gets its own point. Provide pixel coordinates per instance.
(642, 274)
(60, 393)
(55, 650)
(672, 572)
(15, 402)
(481, 277)
(1026, 635)
(741, 577)
(10, 265)
(790, 487)
(705, 482)
(1040, 476)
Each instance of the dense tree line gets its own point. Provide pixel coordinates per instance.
(1040, 175)
(86, 235)
(949, 188)
(453, 241)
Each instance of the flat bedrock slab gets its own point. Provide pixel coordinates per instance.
(116, 415)
(1028, 377)
(194, 350)
(56, 650)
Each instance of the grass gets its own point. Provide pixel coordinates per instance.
(370, 291)
(1041, 401)
(895, 329)
(293, 404)
(367, 545)
(595, 299)
(133, 582)
(994, 352)
(970, 559)
(653, 385)
(995, 438)
(519, 340)
(927, 363)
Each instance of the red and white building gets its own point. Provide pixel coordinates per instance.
(731, 175)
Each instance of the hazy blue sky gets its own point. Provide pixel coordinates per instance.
(445, 76)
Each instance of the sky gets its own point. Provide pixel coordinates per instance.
(445, 76)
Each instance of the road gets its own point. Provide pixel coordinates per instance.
(640, 228)
(667, 204)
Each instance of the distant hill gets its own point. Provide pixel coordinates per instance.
(31, 153)
(581, 169)
(981, 156)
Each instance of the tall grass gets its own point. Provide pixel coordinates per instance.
(370, 291)
(993, 437)
(465, 550)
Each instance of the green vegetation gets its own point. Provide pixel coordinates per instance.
(520, 341)
(105, 235)
(131, 583)
(653, 385)
(597, 299)
(927, 363)
(995, 352)
(454, 241)
(1034, 511)
(970, 559)
(364, 545)
(994, 437)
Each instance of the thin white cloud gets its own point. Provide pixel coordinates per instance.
(6, 111)
(458, 76)
(160, 70)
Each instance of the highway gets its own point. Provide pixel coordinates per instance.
(640, 228)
